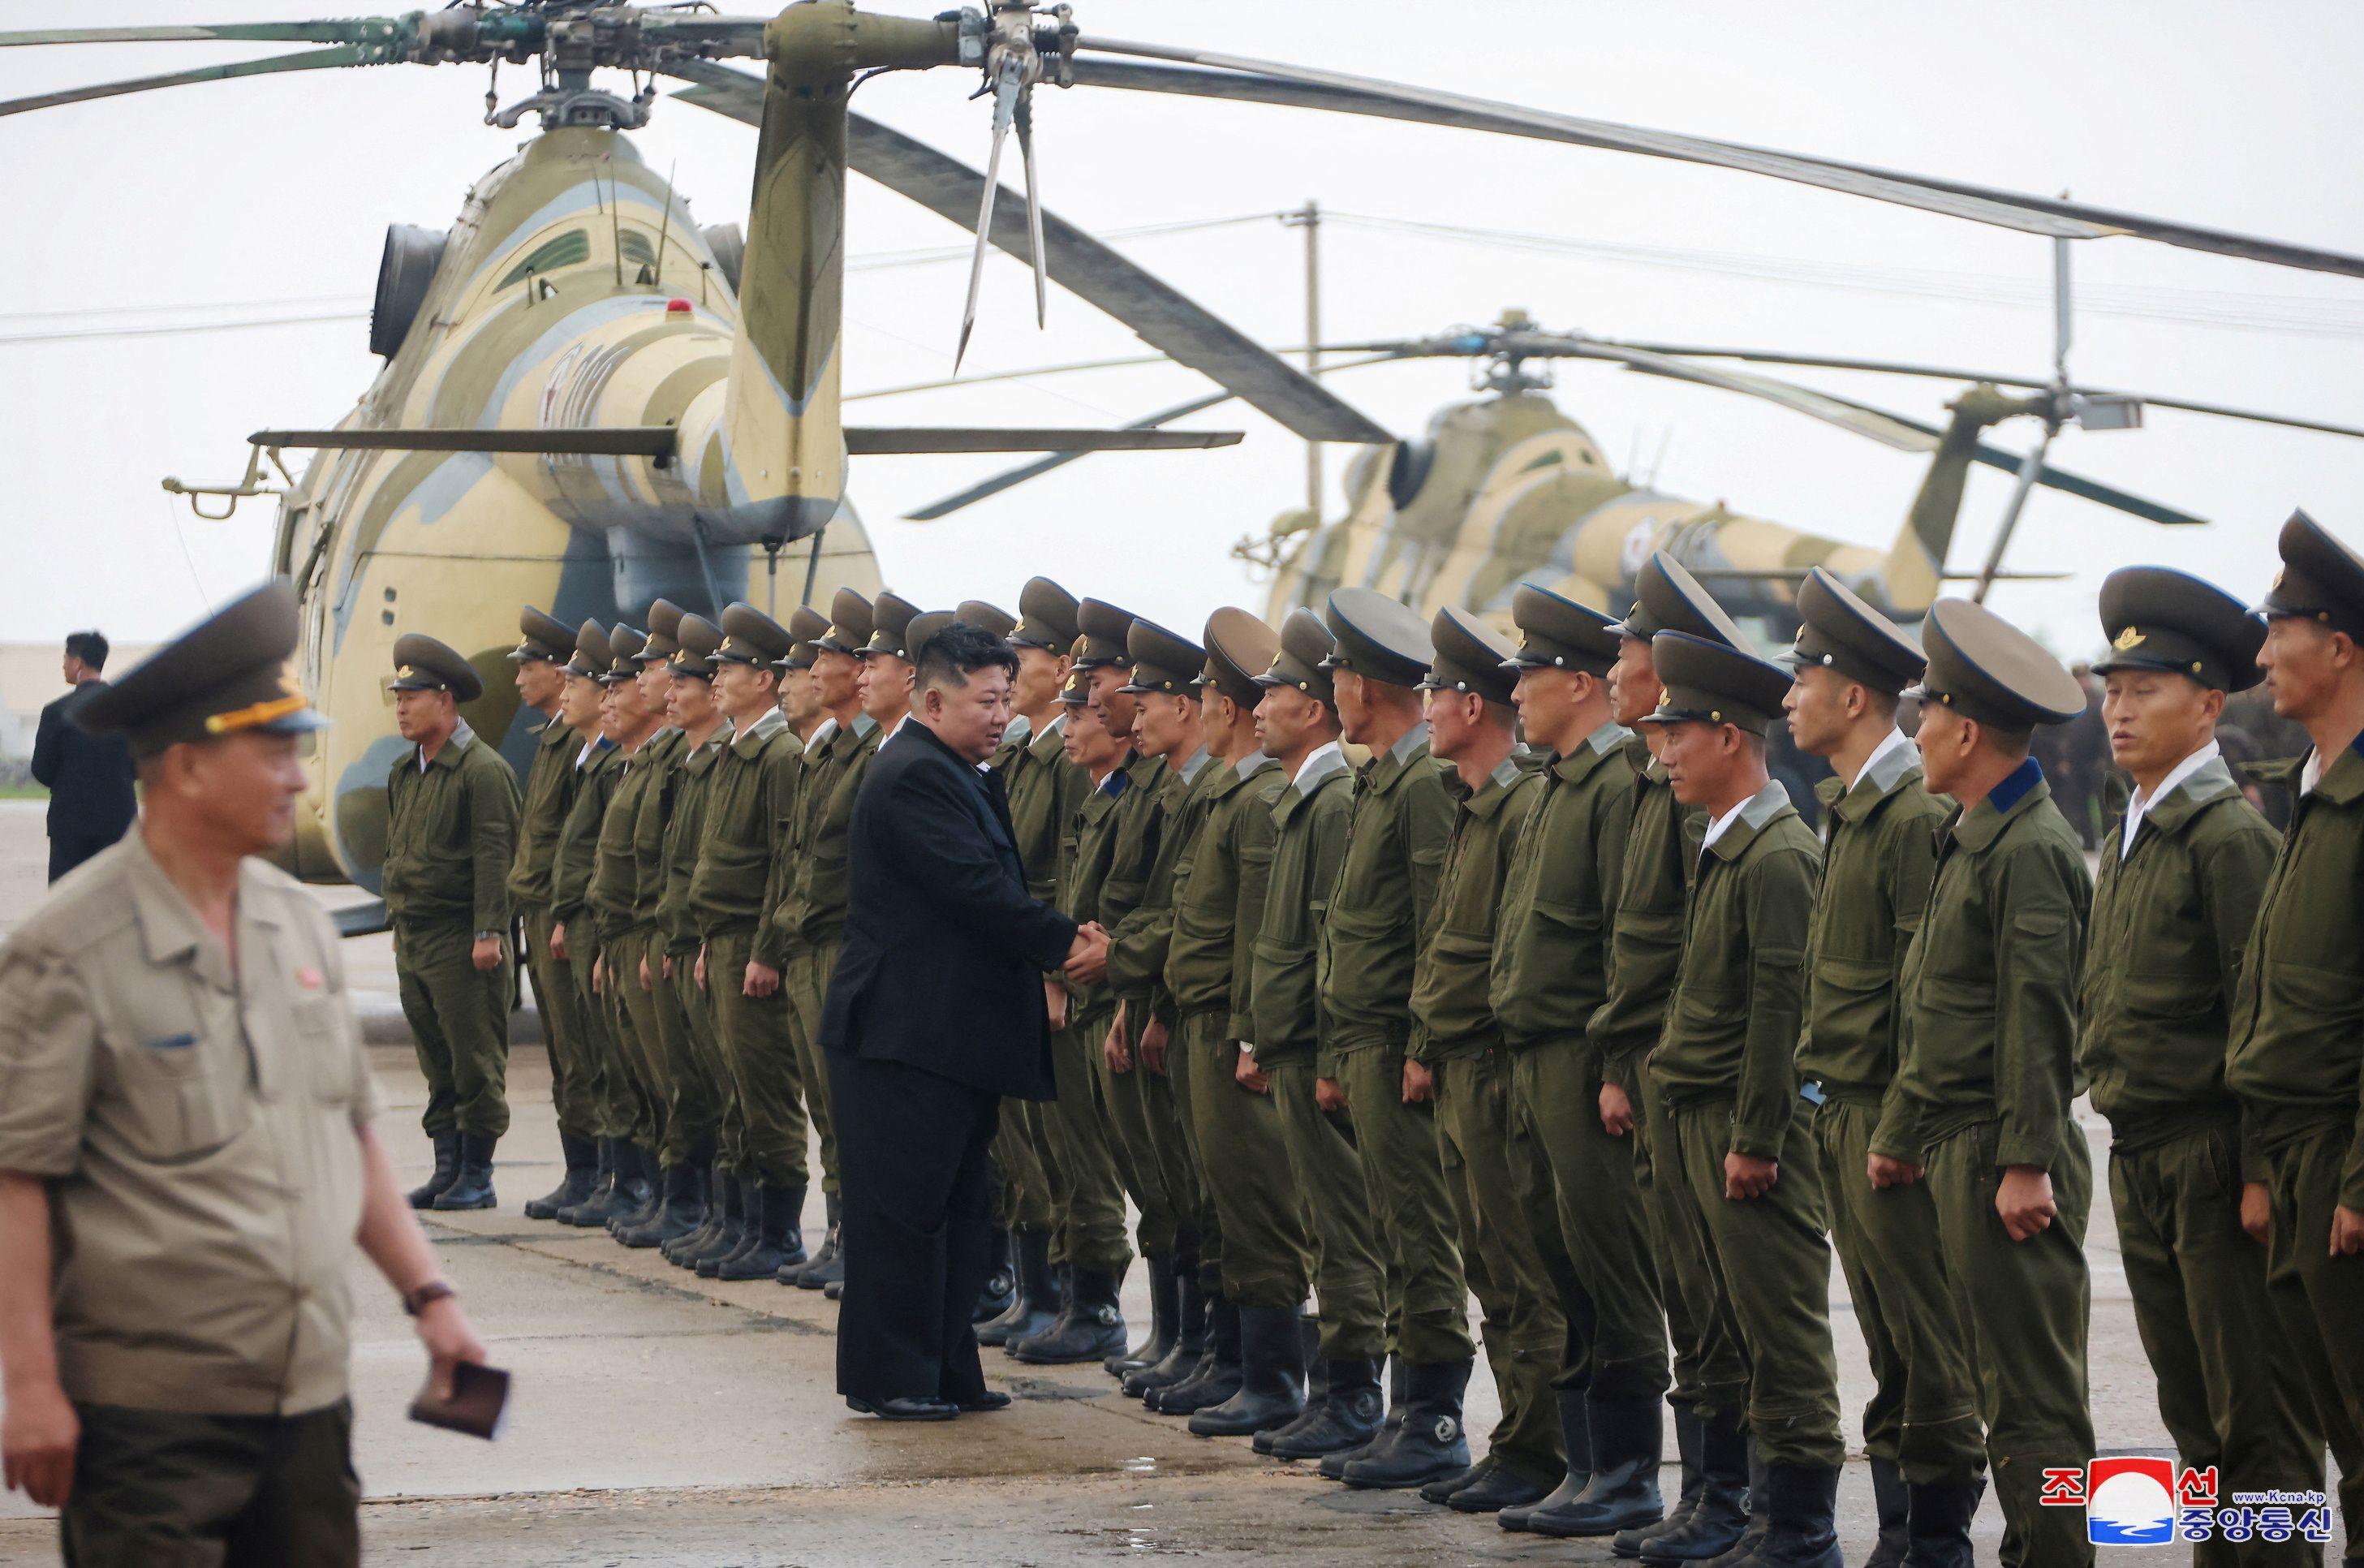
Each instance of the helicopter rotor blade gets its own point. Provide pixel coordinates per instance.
(1159, 314)
(871, 441)
(355, 29)
(1036, 469)
(1005, 112)
(1033, 214)
(1255, 81)
(1852, 417)
(310, 60)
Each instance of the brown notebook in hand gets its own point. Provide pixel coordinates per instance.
(479, 1395)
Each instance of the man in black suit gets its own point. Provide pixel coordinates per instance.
(88, 777)
(935, 1011)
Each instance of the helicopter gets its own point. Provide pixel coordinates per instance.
(588, 401)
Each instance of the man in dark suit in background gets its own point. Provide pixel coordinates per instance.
(934, 1013)
(88, 777)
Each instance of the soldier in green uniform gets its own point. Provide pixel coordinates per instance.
(813, 900)
(746, 805)
(2295, 1064)
(1370, 939)
(1549, 974)
(1921, 1427)
(1284, 1048)
(637, 730)
(1662, 842)
(1726, 1070)
(2174, 901)
(450, 833)
(541, 657)
(1520, 1275)
(573, 934)
(1987, 1061)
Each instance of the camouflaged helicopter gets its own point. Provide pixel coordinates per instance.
(588, 401)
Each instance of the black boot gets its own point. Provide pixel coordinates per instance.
(819, 1264)
(1063, 1307)
(1218, 1375)
(1165, 1295)
(1035, 1303)
(680, 1206)
(1502, 1485)
(1272, 1381)
(447, 1171)
(1431, 1443)
(1091, 1329)
(1442, 1489)
(582, 1169)
(743, 1233)
(777, 1236)
(473, 1187)
(1317, 1387)
(1894, 1505)
(1627, 1435)
(1803, 1499)
(1347, 1420)
(1628, 1542)
(1753, 1528)
(1938, 1523)
(1000, 1288)
(1335, 1463)
(1576, 1435)
(648, 1181)
(1186, 1345)
(636, 1172)
(600, 1200)
(682, 1252)
(1716, 1518)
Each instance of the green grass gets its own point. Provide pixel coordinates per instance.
(23, 792)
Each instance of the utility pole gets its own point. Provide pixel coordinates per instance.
(1309, 218)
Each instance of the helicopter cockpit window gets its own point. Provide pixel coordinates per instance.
(569, 248)
(637, 250)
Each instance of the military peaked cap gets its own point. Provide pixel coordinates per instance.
(1840, 632)
(987, 617)
(226, 675)
(591, 656)
(1560, 633)
(699, 638)
(849, 623)
(625, 645)
(751, 637)
(2321, 580)
(1377, 637)
(546, 638)
(1105, 628)
(664, 625)
(924, 627)
(1240, 647)
(1077, 693)
(422, 663)
(1161, 662)
(1302, 661)
(1712, 682)
(807, 626)
(890, 626)
(1046, 616)
(1985, 669)
(1470, 657)
(1669, 598)
(2157, 618)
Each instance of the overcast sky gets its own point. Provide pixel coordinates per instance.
(138, 210)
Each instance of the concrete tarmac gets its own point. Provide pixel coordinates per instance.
(659, 1419)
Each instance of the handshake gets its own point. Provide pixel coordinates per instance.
(1087, 956)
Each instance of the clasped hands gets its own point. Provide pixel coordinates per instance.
(1087, 962)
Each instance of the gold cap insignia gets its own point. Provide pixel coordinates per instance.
(2278, 579)
(1665, 698)
(2131, 638)
(406, 672)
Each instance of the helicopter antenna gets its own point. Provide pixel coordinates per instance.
(615, 224)
(665, 225)
(1309, 218)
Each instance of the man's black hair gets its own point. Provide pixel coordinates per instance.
(959, 651)
(90, 647)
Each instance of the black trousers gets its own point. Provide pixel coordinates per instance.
(67, 850)
(160, 1489)
(915, 1178)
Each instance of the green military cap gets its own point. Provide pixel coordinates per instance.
(890, 626)
(422, 663)
(1559, 633)
(664, 627)
(986, 616)
(751, 637)
(2321, 580)
(1840, 632)
(1669, 598)
(1161, 662)
(2157, 618)
(1701, 678)
(228, 675)
(1470, 657)
(1240, 647)
(591, 656)
(849, 623)
(1302, 661)
(924, 626)
(1986, 670)
(1104, 628)
(807, 626)
(1077, 693)
(546, 638)
(1046, 616)
(699, 638)
(1377, 637)
(624, 647)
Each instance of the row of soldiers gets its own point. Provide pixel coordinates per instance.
(1591, 1027)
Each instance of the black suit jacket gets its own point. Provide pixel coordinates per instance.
(943, 952)
(88, 777)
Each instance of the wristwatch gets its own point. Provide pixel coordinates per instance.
(490, 935)
(414, 1302)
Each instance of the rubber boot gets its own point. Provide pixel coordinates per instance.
(582, 1167)
(1442, 1489)
(1164, 1295)
(777, 1236)
(1627, 1437)
(1804, 1499)
(717, 1183)
(1335, 1463)
(1219, 1374)
(635, 1171)
(1760, 1516)
(473, 1187)
(1317, 1386)
(1576, 1435)
(1091, 1329)
(1894, 1505)
(1431, 1443)
(597, 1203)
(1272, 1379)
(1718, 1513)
(750, 1231)
(679, 1208)
(1189, 1346)
(999, 1292)
(1034, 1304)
(648, 1179)
(729, 1225)
(1938, 1523)
(447, 1171)
(1502, 1485)
(1347, 1420)
(818, 1265)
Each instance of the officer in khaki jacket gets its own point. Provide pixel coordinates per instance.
(2297, 1058)
(184, 1094)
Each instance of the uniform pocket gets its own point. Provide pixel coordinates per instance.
(324, 1035)
(181, 1103)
